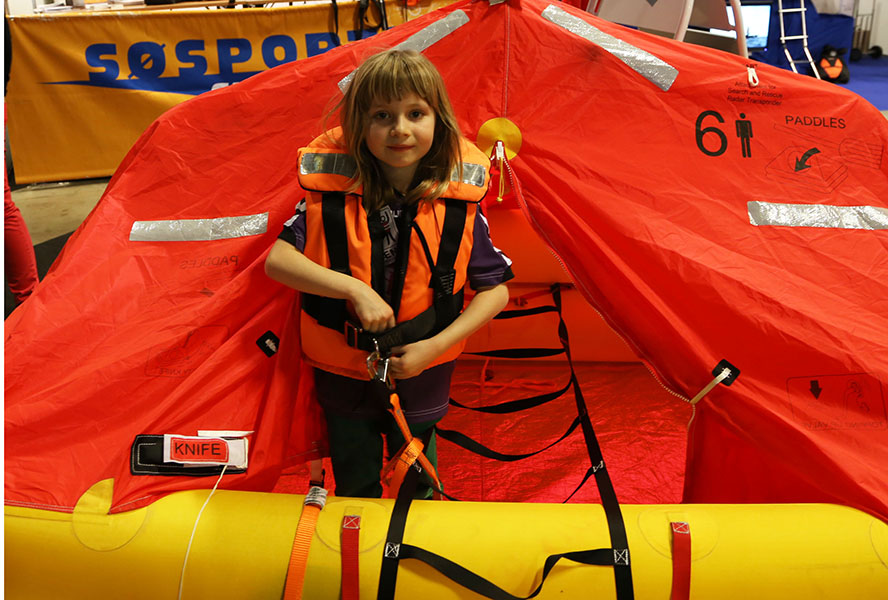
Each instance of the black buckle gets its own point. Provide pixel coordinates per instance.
(351, 332)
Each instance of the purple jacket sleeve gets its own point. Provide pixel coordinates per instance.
(488, 265)
(294, 229)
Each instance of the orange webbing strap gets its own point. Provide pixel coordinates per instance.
(681, 561)
(314, 503)
(350, 549)
(410, 453)
(394, 472)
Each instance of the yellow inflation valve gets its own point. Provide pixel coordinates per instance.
(500, 139)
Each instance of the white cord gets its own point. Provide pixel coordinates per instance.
(194, 530)
(725, 373)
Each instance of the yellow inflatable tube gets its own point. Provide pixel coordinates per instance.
(242, 545)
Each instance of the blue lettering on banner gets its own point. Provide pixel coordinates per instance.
(318, 43)
(145, 62)
(185, 54)
(272, 44)
(231, 52)
(96, 56)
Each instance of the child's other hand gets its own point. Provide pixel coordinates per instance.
(372, 311)
(412, 359)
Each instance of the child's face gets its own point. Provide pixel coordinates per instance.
(399, 133)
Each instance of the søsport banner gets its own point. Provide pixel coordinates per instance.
(83, 86)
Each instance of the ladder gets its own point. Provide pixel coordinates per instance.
(800, 9)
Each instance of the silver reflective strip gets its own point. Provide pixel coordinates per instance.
(199, 230)
(314, 163)
(472, 174)
(423, 38)
(658, 72)
(817, 215)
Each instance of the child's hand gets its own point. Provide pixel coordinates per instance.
(412, 359)
(372, 311)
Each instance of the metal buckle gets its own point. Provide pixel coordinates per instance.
(351, 332)
(373, 360)
(378, 366)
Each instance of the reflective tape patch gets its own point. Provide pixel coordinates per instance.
(817, 215)
(343, 164)
(472, 174)
(655, 70)
(424, 38)
(199, 230)
(328, 164)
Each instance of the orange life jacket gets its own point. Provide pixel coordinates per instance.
(342, 236)
(832, 68)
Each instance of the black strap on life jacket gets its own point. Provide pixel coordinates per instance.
(447, 305)
(331, 312)
(377, 253)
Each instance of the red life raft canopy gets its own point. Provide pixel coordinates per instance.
(708, 207)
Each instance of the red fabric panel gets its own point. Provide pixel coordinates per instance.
(640, 426)
(124, 338)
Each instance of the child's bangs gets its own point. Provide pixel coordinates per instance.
(396, 77)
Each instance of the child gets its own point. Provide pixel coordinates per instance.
(381, 248)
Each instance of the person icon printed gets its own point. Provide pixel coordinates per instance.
(744, 132)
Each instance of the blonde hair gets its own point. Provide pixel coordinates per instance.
(390, 75)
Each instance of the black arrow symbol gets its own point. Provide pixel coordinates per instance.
(815, 388)
(802, 163)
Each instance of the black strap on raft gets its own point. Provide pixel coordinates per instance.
(332, 313)
(524, 352)
(482, 586)
(464, 441)
(616, 526)
(388, 574)
(396, 550)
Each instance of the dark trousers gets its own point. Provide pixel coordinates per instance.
(356, 451)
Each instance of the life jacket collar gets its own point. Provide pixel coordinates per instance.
(325, 166)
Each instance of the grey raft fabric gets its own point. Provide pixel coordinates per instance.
(199, 230)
